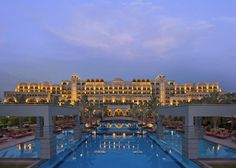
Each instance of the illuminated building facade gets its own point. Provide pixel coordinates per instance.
(114, 93)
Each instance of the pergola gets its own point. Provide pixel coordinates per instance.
(193, 131)
(45, 122)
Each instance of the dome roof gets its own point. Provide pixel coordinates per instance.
(117, 80)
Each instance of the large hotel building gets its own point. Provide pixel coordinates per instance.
(115, 92)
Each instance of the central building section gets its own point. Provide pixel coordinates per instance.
(118, 94)
(118, 91)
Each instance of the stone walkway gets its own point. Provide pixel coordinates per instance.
(12, 142)
(226, 142)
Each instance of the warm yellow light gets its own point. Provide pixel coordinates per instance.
(218, 147)
(94, 133)
(19, 146)
(150, 125)
(30, 146)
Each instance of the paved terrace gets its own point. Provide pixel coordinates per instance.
(192, 122)
(45, 122)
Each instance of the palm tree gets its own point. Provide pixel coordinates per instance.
(229, 98)
(142, 109)
(98, 111)
(91, 108)
(83, 104)
(153, 106)
(21, 99)
(54, 100)
(134, 110)
(103, 109)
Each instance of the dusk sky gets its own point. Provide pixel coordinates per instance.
(49, 40)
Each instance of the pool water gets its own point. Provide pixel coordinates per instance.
(116, 152)
(209, 149)
(206, 148)
(24, 150)
(31, 149)
(126, 151)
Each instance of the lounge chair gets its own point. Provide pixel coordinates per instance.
(234, 139)
(3, 139)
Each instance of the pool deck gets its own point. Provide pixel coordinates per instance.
(206, 163)
(32, 163)
(226, 142)
(12, 142)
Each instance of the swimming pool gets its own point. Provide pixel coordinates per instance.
(31, 149)
(206, 148)
(119, 151)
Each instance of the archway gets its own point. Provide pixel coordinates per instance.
(118, 112)
(31, 100)
(43, 100)
(108, 113)
(127, 112)
(10, 100)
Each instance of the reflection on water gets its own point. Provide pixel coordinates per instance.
(31, 149)
(24, 146)
(213, 150)
(22, 150)
(206, 149)
(120, 151)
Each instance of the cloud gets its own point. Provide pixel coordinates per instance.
(129, 30)
(95, 35)
(161, 45)
(203, 25)
(228, 19)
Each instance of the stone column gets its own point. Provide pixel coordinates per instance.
(190, 143)
(39, 127)
(199, 129)
(21, 120)
(48, 141)
(190, 140)
(160, 129)
(77, 128)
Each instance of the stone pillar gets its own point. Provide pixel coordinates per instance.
(113, 112)
(192, 135)
(77, 128)
(21, 120)
(160, 129)
(48, 141)
(215, 119)
(39, 127)
(54, 122)
(199, 129)
(190, 143)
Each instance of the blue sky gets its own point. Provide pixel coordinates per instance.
(188, 40)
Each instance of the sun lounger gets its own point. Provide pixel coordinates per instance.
(234, 139)
(3, 139)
